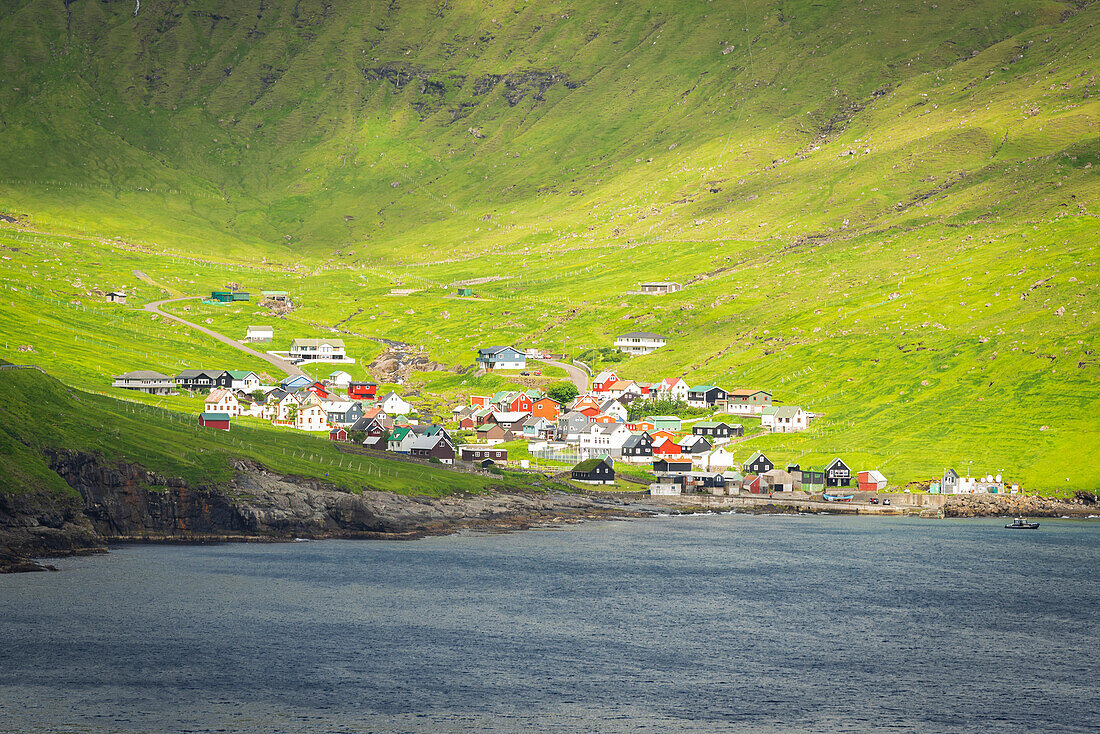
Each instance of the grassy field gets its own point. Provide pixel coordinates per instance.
(883, 213)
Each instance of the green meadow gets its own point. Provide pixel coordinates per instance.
(884, 213)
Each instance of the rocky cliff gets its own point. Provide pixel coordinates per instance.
(126, 502)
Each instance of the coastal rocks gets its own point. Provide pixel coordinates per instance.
(1000, 505)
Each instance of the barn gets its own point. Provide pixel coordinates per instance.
(219, 421)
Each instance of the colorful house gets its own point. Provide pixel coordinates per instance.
(871, 481)
(362, 390)
(338, 434)
(220, 421)
(547, 408)
(747, 402)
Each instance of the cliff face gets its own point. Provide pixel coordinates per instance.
(122, 501)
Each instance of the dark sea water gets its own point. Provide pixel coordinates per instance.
(699, 624)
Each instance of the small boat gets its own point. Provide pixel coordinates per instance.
(838, 497)
(1020, 523)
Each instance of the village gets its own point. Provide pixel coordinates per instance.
(601, 436)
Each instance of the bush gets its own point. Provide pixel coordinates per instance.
(562, 392)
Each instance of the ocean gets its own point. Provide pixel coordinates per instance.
(714, 623)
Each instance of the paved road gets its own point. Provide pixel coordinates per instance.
(576, 374)
(277, 362)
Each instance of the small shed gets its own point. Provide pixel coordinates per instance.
(594, 471)
(338, 434)
(466, 292)
(220, 421)
(116, 297)
(221, 296)
(239, 296)
(871, 481)
(751, 483)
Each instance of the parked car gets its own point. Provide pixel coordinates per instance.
(873, 500)
(886, 501)
(525, 374)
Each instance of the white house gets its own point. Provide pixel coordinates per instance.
(784, 419)
(311, 418)
(672, 388)
(623, 387)
(244, 381)
(500, 358)
(259, 333)
(394, 404)
(318, 350)
(718, 459)
(339, 378)
(222, 401)
(146, 381)
(604, 438)
(615, 409)
(639, 342)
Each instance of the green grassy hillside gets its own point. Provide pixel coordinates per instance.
(883, 212)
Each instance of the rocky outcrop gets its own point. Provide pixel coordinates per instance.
(1013, 505)
(119, 501)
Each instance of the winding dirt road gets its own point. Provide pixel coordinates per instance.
(271, 359)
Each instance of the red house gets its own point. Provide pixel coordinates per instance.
(480, 401)
(639, 426)
(589, 411)
(547, 408)
(318, 389)
(338, 434)
(751, 482)
(521, 403)
(362, 390)
(604, 381)
(668, 447)
(604, 419)
(219, 421)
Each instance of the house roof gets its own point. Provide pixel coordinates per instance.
(510, 417)
(743, 393)
(875, 474)
(192, 374)
(787, 411)
(589, 464)
(640, 335)
(399, 433)
(604, 376)
(261, 328)
(241, 374)
(338, 372)
(655, 418)
(756, 455)
(338, 406)
(143, 375)
(703, 388)
(215, 416)
(386, 397)
(317, 342)
(711, 424)
(635, 439)
(490, 351)
(834, 461)
(216, 396)
(660, 282)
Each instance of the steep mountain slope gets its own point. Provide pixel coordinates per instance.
(457, 123)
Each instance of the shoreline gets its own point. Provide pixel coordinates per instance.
(115, 504)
